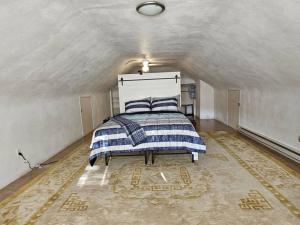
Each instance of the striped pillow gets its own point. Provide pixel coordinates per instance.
(142, 105)
(164, 104)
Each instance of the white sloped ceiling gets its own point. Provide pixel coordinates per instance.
(74, 46)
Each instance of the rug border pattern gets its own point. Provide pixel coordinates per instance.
(289, 205)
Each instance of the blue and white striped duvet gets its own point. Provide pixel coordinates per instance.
(164, 131)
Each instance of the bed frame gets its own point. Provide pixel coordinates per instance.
(108, 155)
(165, 152)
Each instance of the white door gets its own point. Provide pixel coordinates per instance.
(233, 108)
(86, 114)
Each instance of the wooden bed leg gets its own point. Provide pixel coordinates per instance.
(193, 158)
(106, 159)
(152, 157)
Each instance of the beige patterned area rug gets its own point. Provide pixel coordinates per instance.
(234, 183)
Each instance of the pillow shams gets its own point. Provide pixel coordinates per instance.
(164, 104)
(142, 105)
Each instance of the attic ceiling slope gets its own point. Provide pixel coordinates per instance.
(67, 47)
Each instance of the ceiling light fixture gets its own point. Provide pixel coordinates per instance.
(150, 8)
(145, 67)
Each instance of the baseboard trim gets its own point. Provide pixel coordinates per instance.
(272, 144)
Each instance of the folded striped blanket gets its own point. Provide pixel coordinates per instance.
(167, 131)
(133, 130)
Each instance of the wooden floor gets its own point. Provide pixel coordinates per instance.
(212, 125)
(202, 125)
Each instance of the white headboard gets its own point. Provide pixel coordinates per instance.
(136, 86)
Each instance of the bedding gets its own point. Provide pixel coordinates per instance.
(142, 105)
(164, 104)
(133, 130)
(164, 131)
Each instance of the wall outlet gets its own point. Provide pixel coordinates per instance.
(19, 152)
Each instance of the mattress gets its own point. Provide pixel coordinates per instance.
(166, 131)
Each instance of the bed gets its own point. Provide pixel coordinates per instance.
(165, 131)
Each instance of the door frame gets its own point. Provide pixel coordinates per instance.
(239, 104)
(91, 97)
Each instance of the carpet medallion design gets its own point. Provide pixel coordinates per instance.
(74, 203)
(234, 183)
(171, 179)
(255, 200)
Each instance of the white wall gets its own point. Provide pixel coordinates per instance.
(115, 100)
(271, 112)
(40, 128)
(274, 113)
(101, 107)
(197, 103)
(206, 101)
(221, 104)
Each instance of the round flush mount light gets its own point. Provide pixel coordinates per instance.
(150, 8)
(145, 67)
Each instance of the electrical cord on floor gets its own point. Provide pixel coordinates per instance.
(25, 160)
(46, 164)
(36, 166)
